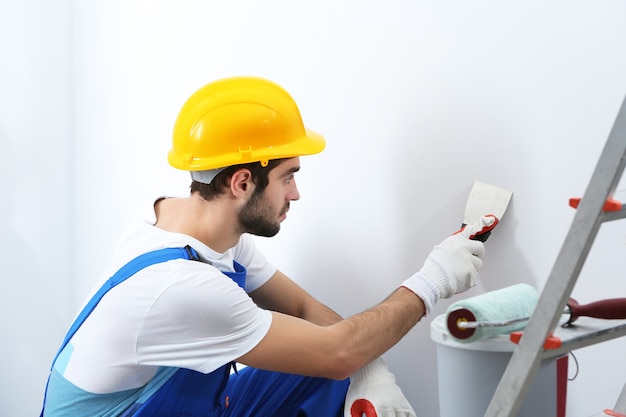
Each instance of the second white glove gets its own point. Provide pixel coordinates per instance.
(373, 392)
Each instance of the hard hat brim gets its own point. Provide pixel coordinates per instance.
(310, 144)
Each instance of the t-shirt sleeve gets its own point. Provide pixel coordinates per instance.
(200, 322)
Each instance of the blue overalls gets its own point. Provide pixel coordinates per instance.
(250, 392)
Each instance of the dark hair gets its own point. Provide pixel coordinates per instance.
(219, 184)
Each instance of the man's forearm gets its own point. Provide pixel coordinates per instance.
(318, 313)
(335, 351)
(376, 330)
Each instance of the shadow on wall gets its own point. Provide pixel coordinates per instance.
(31, 319)
(504, 263)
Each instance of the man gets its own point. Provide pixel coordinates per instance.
(188, 295)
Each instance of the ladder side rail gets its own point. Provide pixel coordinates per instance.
(620, 405)
(527, 355)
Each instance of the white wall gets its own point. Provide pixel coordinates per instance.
(416, 100)
(36, 207)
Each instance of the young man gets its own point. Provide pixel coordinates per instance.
(187, 294)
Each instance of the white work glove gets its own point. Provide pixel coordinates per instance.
(452, 266)
(373, 392)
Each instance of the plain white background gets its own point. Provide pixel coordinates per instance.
(416, 100)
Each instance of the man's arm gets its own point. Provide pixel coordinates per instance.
(283, 295)
(298, 346)
(336, 351)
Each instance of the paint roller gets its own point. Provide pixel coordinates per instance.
(504, 311)
(492, 313)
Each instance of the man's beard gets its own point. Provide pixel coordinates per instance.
(257, 217)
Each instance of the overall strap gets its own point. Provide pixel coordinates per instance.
(127, 271)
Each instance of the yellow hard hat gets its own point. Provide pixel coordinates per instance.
(236, 121)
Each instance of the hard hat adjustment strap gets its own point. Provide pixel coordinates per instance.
(205, 177)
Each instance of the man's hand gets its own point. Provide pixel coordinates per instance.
(481, 229)
(452, 266)
(373, 392)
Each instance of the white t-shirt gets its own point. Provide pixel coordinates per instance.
(180, 313)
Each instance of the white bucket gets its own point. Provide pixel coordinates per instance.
(469, 374)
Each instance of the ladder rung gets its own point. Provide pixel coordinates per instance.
(612, 209)
(608, 216)
(609, 205)
(586, 331)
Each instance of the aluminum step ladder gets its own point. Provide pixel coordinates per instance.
(552, 301)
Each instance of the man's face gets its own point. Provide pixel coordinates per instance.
(265, 210)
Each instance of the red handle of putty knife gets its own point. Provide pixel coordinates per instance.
(484, 234)
(479, 236)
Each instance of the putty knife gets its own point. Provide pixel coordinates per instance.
(485, 199)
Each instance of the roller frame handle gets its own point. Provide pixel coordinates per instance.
(612, 309)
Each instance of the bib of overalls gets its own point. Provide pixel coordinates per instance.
(190, 393)
(174, 391)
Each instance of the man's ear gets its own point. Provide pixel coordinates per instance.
(241, 182)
